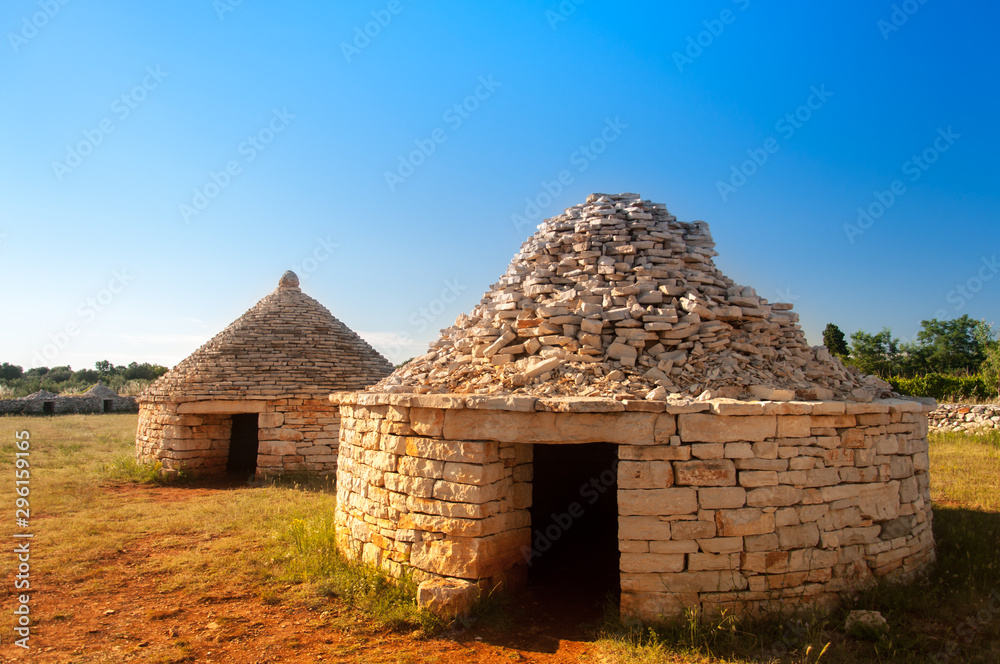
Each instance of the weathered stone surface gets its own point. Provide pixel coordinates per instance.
(447, 598)
(719, 472)
(702, 428)
(657, 501)
(747, 521)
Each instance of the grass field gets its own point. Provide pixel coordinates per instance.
(125, 570)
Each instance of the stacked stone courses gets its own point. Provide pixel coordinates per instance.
(279, 360)
(722, 504)
(754, 472)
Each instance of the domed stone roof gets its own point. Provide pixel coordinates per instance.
(616, 298)
(287, 343)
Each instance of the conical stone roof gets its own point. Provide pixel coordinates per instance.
(287, 344)
(616, 298)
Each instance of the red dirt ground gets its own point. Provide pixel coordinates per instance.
(126, 618)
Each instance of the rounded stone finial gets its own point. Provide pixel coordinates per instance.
(289, 280)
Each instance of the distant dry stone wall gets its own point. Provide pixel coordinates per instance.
(965, 417)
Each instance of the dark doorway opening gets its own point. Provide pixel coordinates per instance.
(574, 524)
(109, 406)
(243, 445)
(49, 407)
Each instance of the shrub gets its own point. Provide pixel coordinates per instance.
(946, 388)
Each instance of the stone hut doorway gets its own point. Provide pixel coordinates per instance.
(243, 445)
(109, 406)
(574, 524)
(49, 408)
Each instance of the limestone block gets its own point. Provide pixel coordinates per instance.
(798, 537)
(654, 452)
(705, 428)
(276, 447)
(418, 467)
(721, 545)
(682, 530)
(722, 498)
(673, 546)
(643, 528)
(774, 496)
(794, 426)
(452, 450)
(713, 561)
(655, 502)
(422, 487)
(651, 563)
(758, 478)
(739, 451)
(707, 450)
(467, 493)
(645, 475)
(622, 428)
(769, 393)
(427, 421)
(719, 472)
(469, 473)
(746, 521)
(664, 428)
(270, 420)
(447, 598)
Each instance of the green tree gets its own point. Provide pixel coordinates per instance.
(950, 346)
(10, 371)
(834, 340)
(877, 354)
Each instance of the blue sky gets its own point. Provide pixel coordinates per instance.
(163, 165)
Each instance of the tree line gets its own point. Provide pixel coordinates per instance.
(16, 382)
(958, 358)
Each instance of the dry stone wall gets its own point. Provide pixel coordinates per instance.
(296, 434)
(973, 418)
(93, 400)
(722, 503)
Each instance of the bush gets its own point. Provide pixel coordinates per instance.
(946, 388)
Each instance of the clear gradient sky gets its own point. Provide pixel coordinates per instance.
(164, 163)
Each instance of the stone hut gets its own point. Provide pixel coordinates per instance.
(617, 414)
(98, 399)
(253, 400)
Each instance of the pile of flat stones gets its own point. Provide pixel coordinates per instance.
(956, 417)
(616, 298)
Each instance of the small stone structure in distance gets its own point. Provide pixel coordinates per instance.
(253, 400)
(98, 399)
(614, 383)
